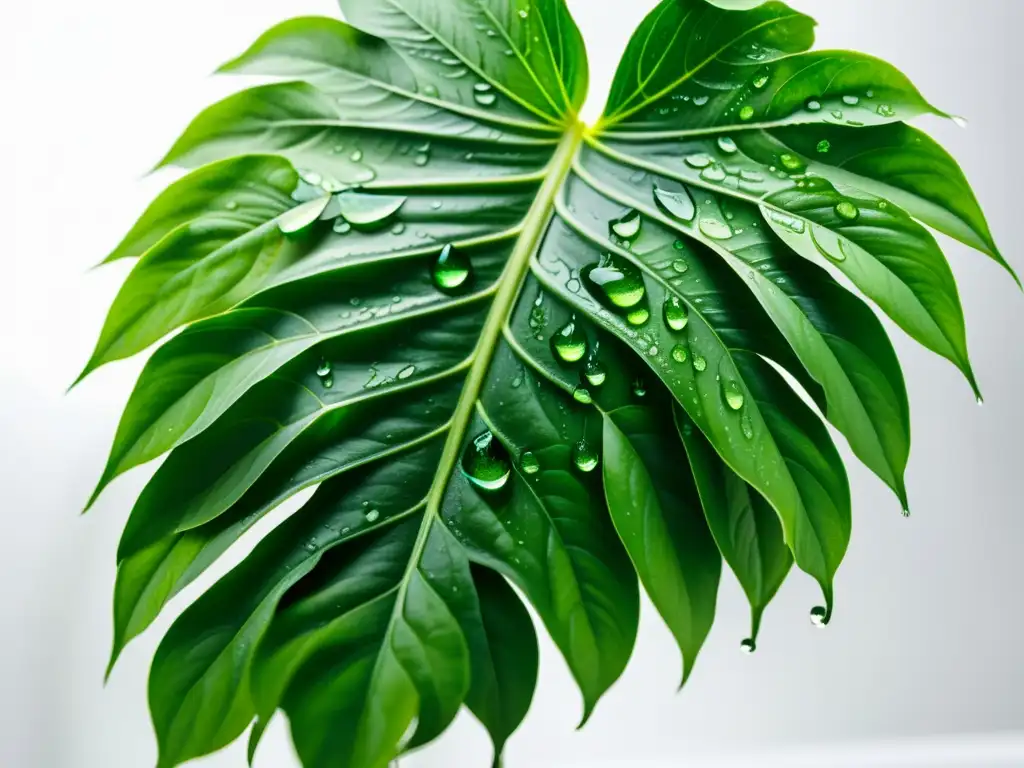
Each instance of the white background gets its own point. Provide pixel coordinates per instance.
(922, 665)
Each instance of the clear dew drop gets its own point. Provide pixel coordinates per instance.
(732, 394)
(760, 78)
(813, 105)
(584, 456)
(748, 645)
(727, 145)
(847, 210)
(618, 282)
(421, 159)
(323, 369)
(791, 162)
(398, 229)
(232, 205)
(677, 315)
(430, 90)
(628, 226)
(595, 373)
(819, 616)
(638, 316)
(529, 463)
(824, 146)
(680, 266)
(372, 516)
(747, 112)
(486, 99)
(699, 363)
(747, 427)
(679, 205)
(713, 173)
(699, 160)
(569, 343)
(714, 228)
(341, 226)
(582, 395)
(885, 110)
(327, 381)
(700, 101)
(302, 216)
(851, 100)
(356, 156)
(679, 353)
(485, 462)
(406, 372)
(523, 13)
(452, 269)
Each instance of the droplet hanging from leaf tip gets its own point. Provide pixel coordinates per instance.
(820, 616)
(732, 394)
(582, 395)
(569, 343)
(584, 456)
(748, 645)
(595, 373)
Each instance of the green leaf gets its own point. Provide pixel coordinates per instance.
(519, 360)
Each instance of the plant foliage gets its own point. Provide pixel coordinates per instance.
(510, 350)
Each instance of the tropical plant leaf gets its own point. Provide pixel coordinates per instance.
(519, 359)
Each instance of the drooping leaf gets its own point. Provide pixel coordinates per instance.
(517, 357)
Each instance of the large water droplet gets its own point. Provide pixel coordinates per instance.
(732, 394)
(324, 369)
(791, 162)
(747, 112)
(584, 456)
(760, 78)
(302, 216)
(851, 100)
(713, 173)
(699, 363)
(595, 373)
(699, 160)
(677, 314)
(617, 281)
(372, 516)
(638, 316)
(847, 210)
(628, 226)
(714, 228)
(819, 616)
(676, 204)
(680, 266)
(365, 210)
(483, 95)
(727, 145)
(679, 353)
(452, 269)
(485, 462)
(569, 343)
(529, 463)
(582, 395)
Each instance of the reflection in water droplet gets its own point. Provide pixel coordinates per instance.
(847, 210)
(791, 162)
(638, 316)
(485, 462)
(727, 145)
(679, 205)
(617, 281)
(819, 616)
(851, 100)
(748, 645)
(595, 373)
(679, 353)
(747, 112)
(680, 265)
(569, 343)
(760, 78)
(824, 146)
(699, 363)
(732, 394)
(451, 270)
(715, 228)
(628, 226)
(529, 463)
(677, 314)
(372, 515)
(813, 105)
(582, 395)
(699, 160)
(324, 369)
(584, 456)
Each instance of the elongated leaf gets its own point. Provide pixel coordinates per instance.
(520, 359)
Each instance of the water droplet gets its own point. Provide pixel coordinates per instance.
(569, 343)
(324, 369)
(451, 270)
(747, 427)
(406, 372)
(886, 110)
(959, 122)
(302, 216)
(484, 99)
(837, 114)
(732, 394)
(628, 226)
(639, 388)
(824, 146)
(529, 464)
(748, 645)
(485, 462)
(676, 204)
(699, 363)
(791, 162)
(813, 105)
(523, 13)
(311, 177)
(715, 228)
(819, 616)
(680, 266)
(362, 209)
(356, 156)
(421, 160)
(232, 205)
(699, 160)
(638, 316)
(595, 373)
(617, 281)
(398, 229)
(677, 315)
(342, 227)
(327, 381)
(714, 173)
(747, 112)
(847, 210)
(787, 221)
(584, 456)
(700, 101)
(582, 395)
(851, 100)
(430, 90)
(727, 145)
(372, 515)
(679, 353)
(760, 78)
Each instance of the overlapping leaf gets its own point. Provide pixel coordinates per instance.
(516, 357)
